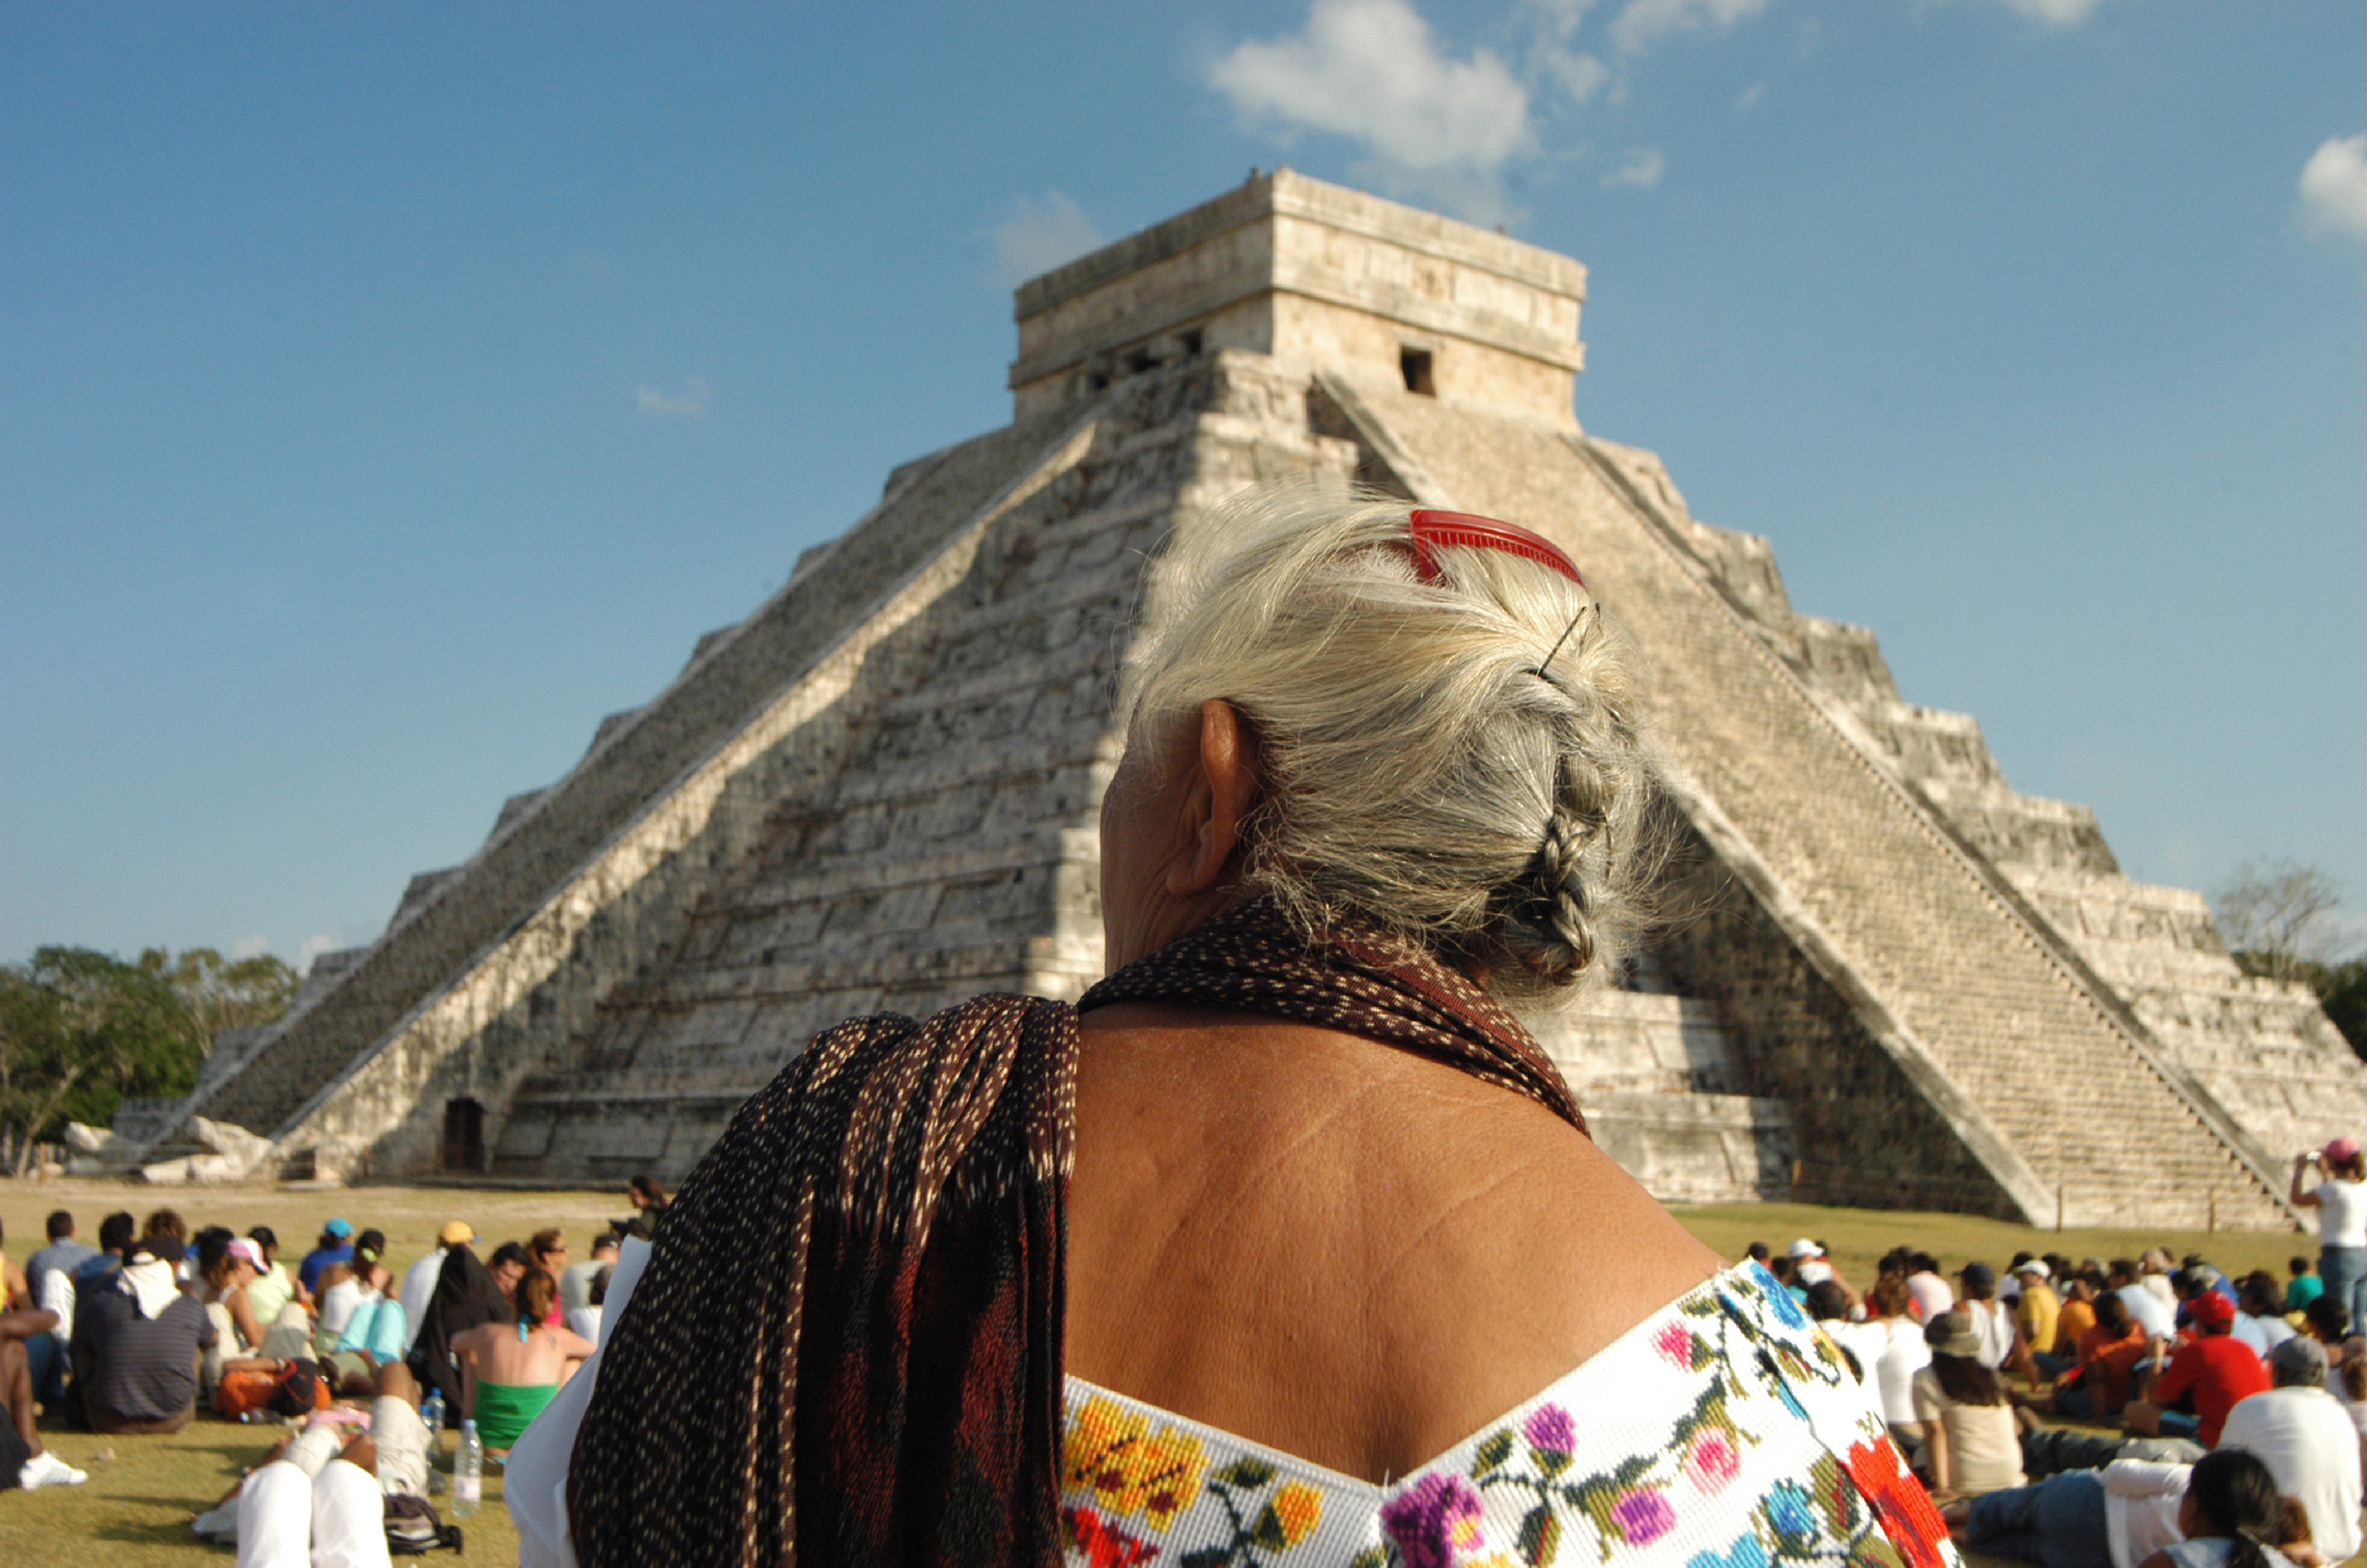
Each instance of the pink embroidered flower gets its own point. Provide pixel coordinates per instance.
(1712, 1462)
(1675, 1342)
(1644, 1517)
(1551, 1429)
(1434, 1521)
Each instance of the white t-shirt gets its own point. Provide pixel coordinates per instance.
(338, 1301)
(2311, 1447)
(1907, 1354)
(2141, 1498)
(2157, 1320)
(2342, 1214)
(1995, 1326)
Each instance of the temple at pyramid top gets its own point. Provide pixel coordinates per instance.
(1314, 275)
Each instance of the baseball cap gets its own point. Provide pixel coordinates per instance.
(339, 1228)
(2301, 1360)
(2212, 1311)
(1978, 1275)
(2033, 1265)
(2342, 1147)
(246, 1250)
(1805, 1248)
(455, 1232)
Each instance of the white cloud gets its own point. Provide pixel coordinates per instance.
(2334, 186)
(1750, 97)
(1644, 22)
(1369, 70)
(254, 945)
(690, 403)
(1581, 75)
(1642, 169)
(1041, 235)
(2055, 12)
(313, 946)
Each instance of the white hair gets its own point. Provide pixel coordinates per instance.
(1459, 760)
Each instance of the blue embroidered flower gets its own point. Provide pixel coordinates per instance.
(1789, 1511)
(1747, 1553)
(1786, 1310)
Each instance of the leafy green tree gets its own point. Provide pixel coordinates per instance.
(82, 1031)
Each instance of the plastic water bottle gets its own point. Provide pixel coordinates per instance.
(432, 1412)
(467, 1472)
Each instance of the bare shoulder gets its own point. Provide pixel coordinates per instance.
(1327, 1243)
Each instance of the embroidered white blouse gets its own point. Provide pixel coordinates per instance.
(1723, 1432)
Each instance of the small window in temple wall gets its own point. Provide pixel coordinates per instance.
(463, 1136)
(1415, 364)
(1192, 343)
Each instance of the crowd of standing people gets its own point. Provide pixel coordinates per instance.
(159, 1324)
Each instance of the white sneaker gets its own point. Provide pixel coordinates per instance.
(47, 1470)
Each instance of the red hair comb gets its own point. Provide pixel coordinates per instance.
(1435, 530)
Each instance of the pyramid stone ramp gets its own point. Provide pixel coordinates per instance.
(492, 970)
(1982, 1011)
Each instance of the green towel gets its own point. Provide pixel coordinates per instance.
(504, 1409)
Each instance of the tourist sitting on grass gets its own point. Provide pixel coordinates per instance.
(166, 1234)
(547, 1251)
(1904, 1352)
(136, 1345)
(466, 1294)
(1990, 1321)
(2229, 1515)
(2072, 1321)
(274, 1285)
(1970, 1435)
(23, 1461)
(2214, 1370)
(2307, 1440)
(2260, 1318)
(2109, 1518)
(419, 1279)
(2306, 1285)
(575, 1282)
(508, 1265)
(2038, 1312)
(512, 1369)
(49, 1279)
(586, 1320)
(116, 1234)
(2156, 1317)
(344, 1286)
(1932, 1297)
(335, 1246)
(222, 1278)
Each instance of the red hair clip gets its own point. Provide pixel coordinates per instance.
(1434, 532)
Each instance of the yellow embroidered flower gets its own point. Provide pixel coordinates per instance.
(1129, 1468)
(1298, 1506)
(1167, 1475)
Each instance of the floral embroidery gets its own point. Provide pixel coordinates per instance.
(1905, 1510)
(1103, 1544)
(1434, 1521)
(1727, 1418)
(1128, 1468)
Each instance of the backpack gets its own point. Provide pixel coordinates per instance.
(244, 1389)
(413, 1529)
(299, 1390)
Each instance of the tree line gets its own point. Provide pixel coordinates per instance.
(82, 1031)
(2278, 920)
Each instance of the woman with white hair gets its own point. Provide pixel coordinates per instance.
(1288, 1237)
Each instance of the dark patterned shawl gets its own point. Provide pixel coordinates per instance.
(846, 1347)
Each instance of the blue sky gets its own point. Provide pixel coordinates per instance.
(388, 394)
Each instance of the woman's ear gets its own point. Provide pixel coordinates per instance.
(1220, 796)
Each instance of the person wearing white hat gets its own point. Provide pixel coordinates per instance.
(1809, 1265)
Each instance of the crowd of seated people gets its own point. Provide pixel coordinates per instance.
(161, 1324)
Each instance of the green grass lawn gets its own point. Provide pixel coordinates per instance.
(142, 1492)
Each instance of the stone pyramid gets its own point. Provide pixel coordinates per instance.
(1901, 982)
